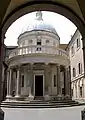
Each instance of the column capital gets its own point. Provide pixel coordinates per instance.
(8, 70)
(58, 65)
(31, 64)
(66, 67)
(18, 66)
(46, 63)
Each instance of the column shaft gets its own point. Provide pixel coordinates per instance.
(69, 82)
(31, 80)
(10, 81)
(18, 83)
(66, 82)
(7, 83)
(46, 78)
(58, 81)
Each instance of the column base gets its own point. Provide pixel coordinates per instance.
(47, 97)
(17, 96)
(30, 97)
(8, 96)
(59, 97)
(67, 97)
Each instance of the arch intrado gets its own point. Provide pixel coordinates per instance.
(42, 6)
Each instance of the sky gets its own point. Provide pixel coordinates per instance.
(64, 27)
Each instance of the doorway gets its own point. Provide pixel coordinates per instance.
(38, 85)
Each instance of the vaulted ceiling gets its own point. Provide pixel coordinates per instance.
(8, 7)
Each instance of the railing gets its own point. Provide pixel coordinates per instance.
(38, 49)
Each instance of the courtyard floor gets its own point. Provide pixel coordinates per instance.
(67, 113)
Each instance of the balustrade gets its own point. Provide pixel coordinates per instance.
(38, 49)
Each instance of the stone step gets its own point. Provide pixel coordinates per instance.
(39, 104)
(36, 106)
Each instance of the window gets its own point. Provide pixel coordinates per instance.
(47, 41)
(22, 81)
(30, 41)
(78, 43)
(80, 68)
(74, 72)
(38, 48)
(54, 80)
(23, 43)
(38, 41)
(81, 91)
(72, 50)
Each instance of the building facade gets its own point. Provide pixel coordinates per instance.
(77, 67)
(38, 67)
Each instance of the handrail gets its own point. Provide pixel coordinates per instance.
(38, 49)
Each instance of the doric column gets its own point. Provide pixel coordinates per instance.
(58, 81)
(7, 84)
(69, 82)
(18, 83)
(31, 82)
(74, 91)
(46, 78)
(78, 89)
(66, 83)
(10, 81)
(83, 88)
(49, 79)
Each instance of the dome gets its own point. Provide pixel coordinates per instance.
(39, 24)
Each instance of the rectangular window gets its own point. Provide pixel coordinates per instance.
(47, 41)
(38, 43)
(38, 48)
(80, 68)
(54, 80)
(30, 41)
(72, 50)
(78, 43)
(81, 91)
(74, 72)
(22, 81)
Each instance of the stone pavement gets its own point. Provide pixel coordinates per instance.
(67, 113)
